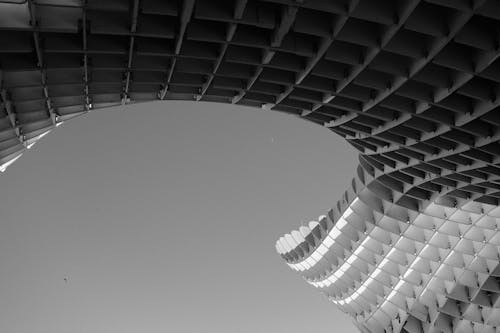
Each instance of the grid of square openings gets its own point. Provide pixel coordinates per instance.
(330, 61)
(400, 79)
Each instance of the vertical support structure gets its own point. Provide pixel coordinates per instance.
(231, 30)
(41, 66)
(133, 29)
(322, 49)
(88, 103)
(7, 105)
(371, 54)
(287, 19)
(185, 17)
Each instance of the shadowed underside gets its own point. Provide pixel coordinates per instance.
(413, 85)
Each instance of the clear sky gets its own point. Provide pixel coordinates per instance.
(162, 217)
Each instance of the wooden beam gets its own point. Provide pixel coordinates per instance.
(36, 38)
(184, 19)
(133, 29)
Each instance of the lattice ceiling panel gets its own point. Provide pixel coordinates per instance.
(413, 85)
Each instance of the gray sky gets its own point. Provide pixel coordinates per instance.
(163, 218)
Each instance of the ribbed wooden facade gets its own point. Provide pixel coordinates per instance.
(413, 85)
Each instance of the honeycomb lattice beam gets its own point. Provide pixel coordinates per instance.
(413, 85)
